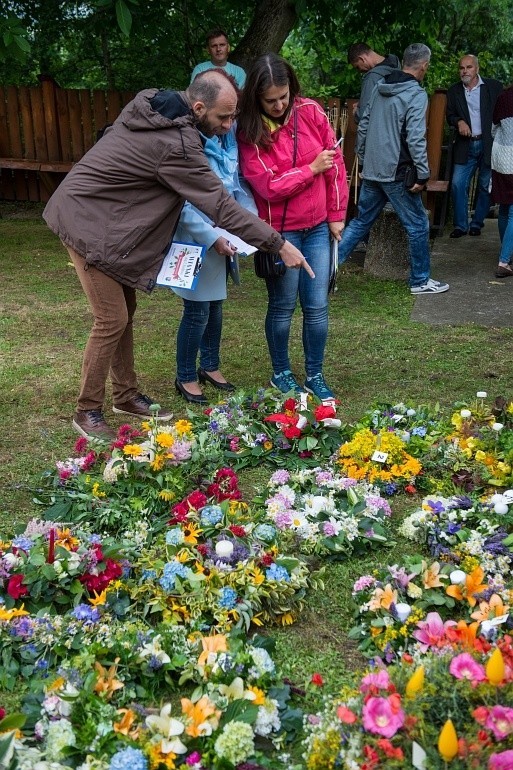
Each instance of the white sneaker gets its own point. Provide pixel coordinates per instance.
(430, 287)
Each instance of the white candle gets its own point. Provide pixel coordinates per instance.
(224, 548)
(402, 611)
(457, 576)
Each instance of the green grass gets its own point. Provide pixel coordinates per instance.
(374, 353)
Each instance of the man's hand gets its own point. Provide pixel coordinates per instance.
(336, 229)
(224, 247)
(417, 188)
(464, 128)
(292, 257)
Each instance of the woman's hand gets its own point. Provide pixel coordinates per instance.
(323, 162)
(336, 229)
(224, 247)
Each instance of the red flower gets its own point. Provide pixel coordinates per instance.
(317, 680)
(64, 473)
(410, 489)
(346, 715)
(15, 587)
(225, 486)
(80, 445)
(322, 411)
(292, 432)
(2, 713)
(290, 405)
(389, 750)
(237, 531)
(202, 549)
(207, 411)
(196, 500)
(305, 453)
(100, 582)
(267, 560)
(89, 461)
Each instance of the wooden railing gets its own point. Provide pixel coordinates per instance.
(44, 130)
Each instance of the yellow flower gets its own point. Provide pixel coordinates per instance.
(14, 613)
(56, 685)
(96, 490)
(268, 445)
(191, 533)
(133, 450)
(66, 539)
(146, 425)
(287, 619)
(256, 575)
(165, 439)
(167, 495)
(183, 556)
(183, 426)
(98, 598)
(125, 725)
(257, 620)
(158, 463)
(259, 695)
(431, 576)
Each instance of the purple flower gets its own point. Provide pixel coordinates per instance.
(86, 613)
(280, 477)
(284, 519)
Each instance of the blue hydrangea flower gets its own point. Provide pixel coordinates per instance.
(148, 574)
(174, 536)
(421, 431)
(23, 543)
(132, 758)
(227, 598)
(86, 613)
(211, 515)
(264, 532)
(95, 539)
(277, 572)
(390, 488)
(171, 570)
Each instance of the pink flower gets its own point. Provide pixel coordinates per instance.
(373, 682)
(383, 716)
(501, 761)
(464, 666)
(500, 722)
(431, 632)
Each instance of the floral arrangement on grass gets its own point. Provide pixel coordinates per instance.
(401, 607)
(238, 709)
(263, 426)
(49, 567)
(379, 457)
(453, 710)
(219, 564)
(319, 511)
(466, 532)
(128, 484)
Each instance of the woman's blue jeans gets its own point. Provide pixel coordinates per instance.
(199, 331)
(314, 244)
(506, 232)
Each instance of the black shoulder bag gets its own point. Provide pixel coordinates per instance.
(268, 264)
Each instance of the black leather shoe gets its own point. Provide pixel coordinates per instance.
(457, 233)
(192, 398)
(474, 231)
(204, 376)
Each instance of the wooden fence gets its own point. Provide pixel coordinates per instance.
(44, 130)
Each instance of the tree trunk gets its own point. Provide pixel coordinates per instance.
(268, 30)
(387, 252)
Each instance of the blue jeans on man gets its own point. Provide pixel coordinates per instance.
(462, 175)
(411, 213)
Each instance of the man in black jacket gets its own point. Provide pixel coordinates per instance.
(470, 106)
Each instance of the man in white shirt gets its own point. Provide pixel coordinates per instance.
(470, 106)
(219, 48)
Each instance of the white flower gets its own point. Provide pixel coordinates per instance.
(169, 728)
(236, 691)
(411, 412)
(497, 426)
(154, 649)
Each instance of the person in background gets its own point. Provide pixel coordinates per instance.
(393, 150)
(201, 324)
(219, 48)
(276, 124)
(469, 111)
(374, 68)
(116, 211)
(502, 177)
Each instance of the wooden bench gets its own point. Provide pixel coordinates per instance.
(44, 130)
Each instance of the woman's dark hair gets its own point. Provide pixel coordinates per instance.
(267, 71)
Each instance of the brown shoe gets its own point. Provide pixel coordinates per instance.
(91, 424)
(503, 271)
(139, 406)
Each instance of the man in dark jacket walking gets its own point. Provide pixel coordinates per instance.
(374, 68)
(116, 212)
(470, 106)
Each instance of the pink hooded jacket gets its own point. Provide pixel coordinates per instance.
(312, 198)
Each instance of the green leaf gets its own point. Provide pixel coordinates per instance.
(124, 17)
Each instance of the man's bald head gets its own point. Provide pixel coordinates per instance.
(213, 99)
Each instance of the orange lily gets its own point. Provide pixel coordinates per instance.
(383, 598)
(66, 540)
(203, 717)
(124, 726)
(107, 684)
(211, 646)
(463, 634)
(492, 609)
(431, 576)
(473, 585)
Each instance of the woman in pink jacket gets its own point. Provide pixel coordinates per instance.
(276, 124)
